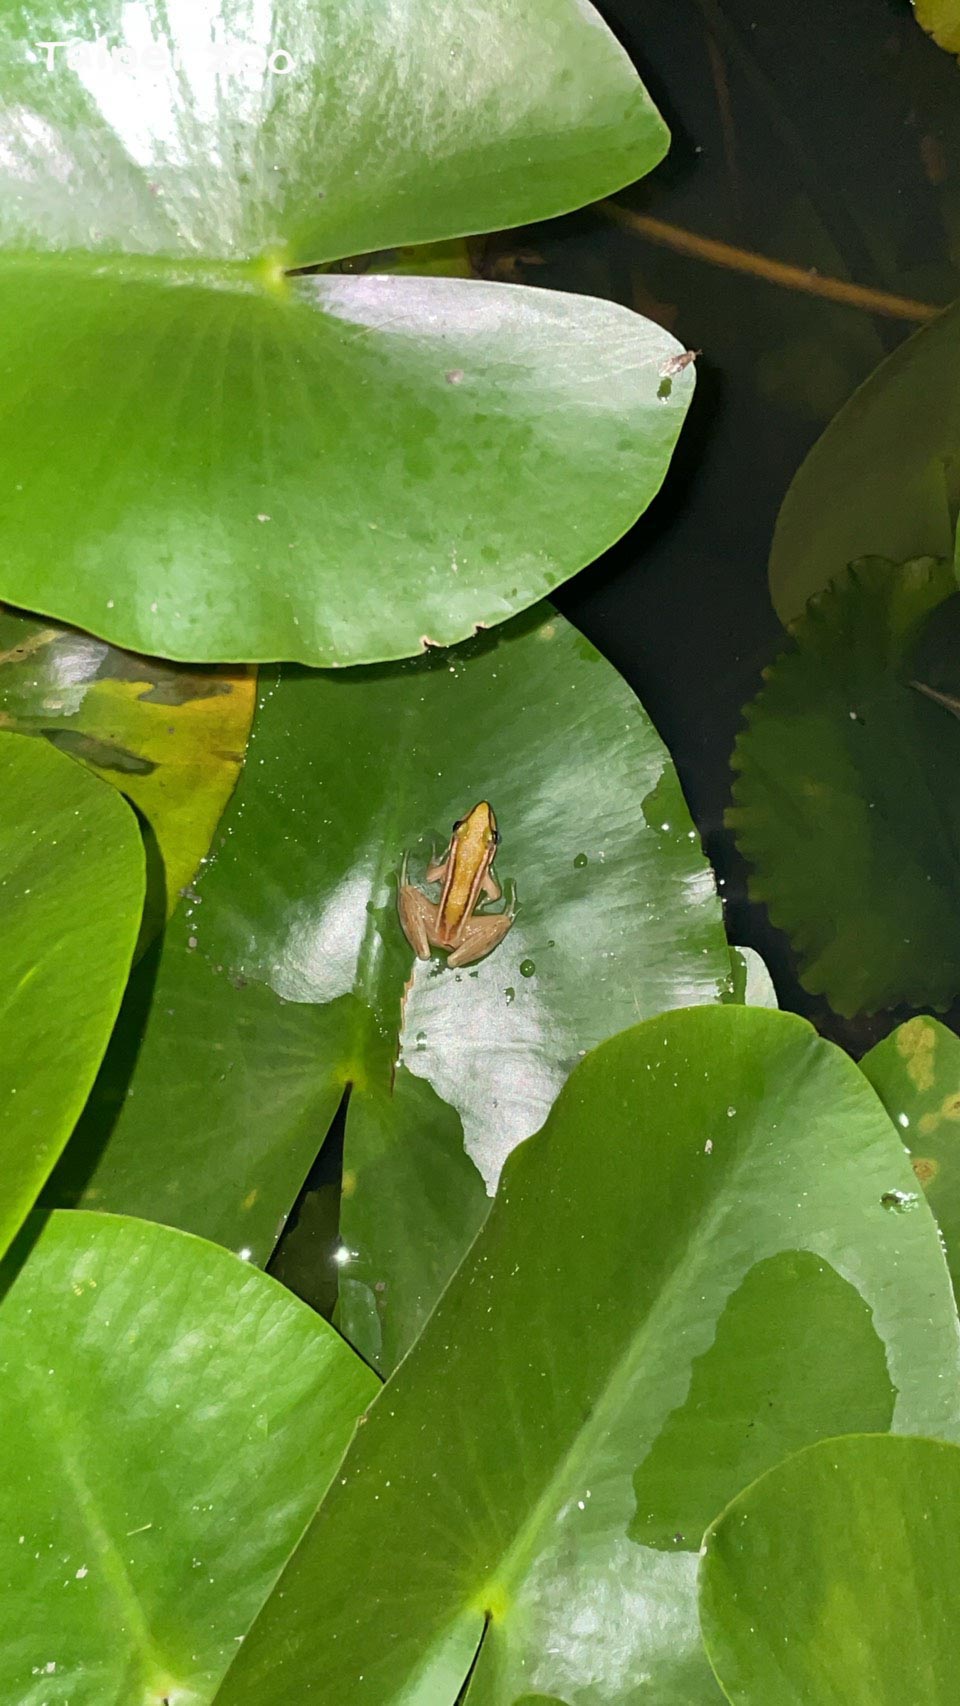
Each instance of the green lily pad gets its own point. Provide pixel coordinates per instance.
(884, 479)
(846, 795)
(614, 1323)
(751, 983)
(71, 890)
(168, 1419)
(916, 1074)
(833, 1580)
(171, 739)
(290, 977)
(208, 455)
(781, 1328)
(494, 118)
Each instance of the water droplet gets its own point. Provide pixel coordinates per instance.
(511, 996)
(579, 862)
(900, 1201)
(527, 968)
(730, 1113)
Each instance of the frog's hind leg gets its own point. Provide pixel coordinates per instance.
(480, 936)
(418, 915)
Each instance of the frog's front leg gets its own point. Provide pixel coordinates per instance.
(479, 936)
(418, 915)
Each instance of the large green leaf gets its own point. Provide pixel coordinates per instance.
(834, 1580)
(846, 794)
(884, 479)
(168, 1419)
(71, 893)
(942, 19)
(204, 456)
(291, 977)
(177, 137)
(606, 1368)
(916, 1074)
(171, 739)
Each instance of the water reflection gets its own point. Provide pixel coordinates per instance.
(321, 955)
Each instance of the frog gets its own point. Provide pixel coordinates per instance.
(465, 872)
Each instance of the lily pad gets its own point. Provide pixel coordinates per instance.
(207, 454)
(752, 984)
(833, 1580)
(168, 1419)
(941, 19)
(614, 1323)
(884, 479)
(171, 739)
(291, 978)
(846, 795)
(72, 885)
(916, 1074)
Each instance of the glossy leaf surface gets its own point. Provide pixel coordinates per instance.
(291, 977)
(604, 1370)
(169, 1419)
(204, 456)
(433, 121)
(71, 894)
(884, 479)
(833, 1580)
(916, 1074)
(172, 740)
(846, 798)
(752, 983)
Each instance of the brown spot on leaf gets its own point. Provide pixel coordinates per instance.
(916, 1042)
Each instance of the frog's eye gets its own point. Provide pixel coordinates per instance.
(457, 824)
(497, 838)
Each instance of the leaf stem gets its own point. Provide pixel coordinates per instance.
(782, 273)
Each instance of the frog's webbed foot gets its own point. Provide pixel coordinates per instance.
(418, 916)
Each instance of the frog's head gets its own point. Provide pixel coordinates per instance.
(476, 836)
